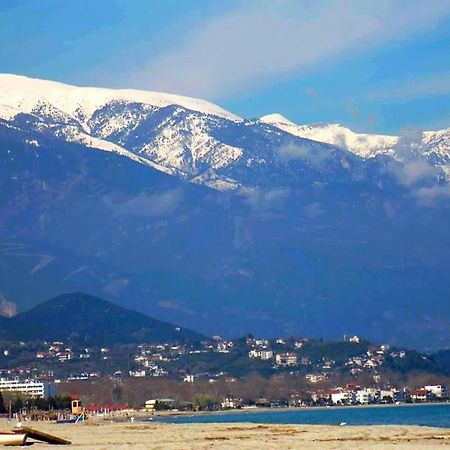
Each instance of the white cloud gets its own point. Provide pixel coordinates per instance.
(315, 156)
(414, 171)
(147, 204)
(433, 195)
(116, 286)
(435, 85)
(258, 41)
(413, 168)
(7, 308)
(313, 210)
(268, 200)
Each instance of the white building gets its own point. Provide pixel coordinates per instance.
(254, 353)
(231, 403)
(137, 373)
(286, 359)
(438, 390)
(343, 397)
(363, 397)
(315, 377)
(266, 354)
(34, 389)
(386, 394)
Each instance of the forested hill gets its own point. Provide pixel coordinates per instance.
(84, 318)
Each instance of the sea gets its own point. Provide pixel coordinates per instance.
(426, 415)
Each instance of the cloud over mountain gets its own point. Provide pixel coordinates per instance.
(282, 37)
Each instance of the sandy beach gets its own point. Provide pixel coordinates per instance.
(158, 436)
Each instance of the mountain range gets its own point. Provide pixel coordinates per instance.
(182, 210)
(429, 145)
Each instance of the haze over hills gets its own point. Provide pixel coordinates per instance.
(179, 209)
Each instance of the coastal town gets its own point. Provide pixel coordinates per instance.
(217, 374)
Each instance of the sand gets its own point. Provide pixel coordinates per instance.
(105, 435)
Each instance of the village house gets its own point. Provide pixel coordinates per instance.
(266, 354)
(137, 373)
(286, 359)
(224, 346)
(419, 395)
(231, 403)
(66, 355)
(315, 377)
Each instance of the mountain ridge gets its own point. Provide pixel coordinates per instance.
(434, 143)
(204, 146)
(198, 141)
(79, 101)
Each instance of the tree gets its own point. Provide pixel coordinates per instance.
(117, 394)
(2, 404)
(204, 401)
(17, 404)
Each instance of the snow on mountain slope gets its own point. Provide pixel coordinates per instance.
(198, 141)
(172, 136)
(189, 138)
(364, 145)
(434, 146)
(107, 118)
(23, 94)
(437, 144)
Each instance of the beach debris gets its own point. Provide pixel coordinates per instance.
(41, 436)
(342, 424)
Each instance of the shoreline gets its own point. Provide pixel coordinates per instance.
(172, 413)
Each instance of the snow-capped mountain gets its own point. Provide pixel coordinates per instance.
(364, 145)
(433, 145)
(108, 192)
(200, 142)
(23, 94)
(190, 138)
(92, 115)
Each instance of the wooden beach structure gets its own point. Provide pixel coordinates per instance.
(40, 436)
(11, 438)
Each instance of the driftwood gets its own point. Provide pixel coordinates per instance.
(40, 436)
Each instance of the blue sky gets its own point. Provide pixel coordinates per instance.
(374, 66)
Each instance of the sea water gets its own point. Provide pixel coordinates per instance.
(427, 415)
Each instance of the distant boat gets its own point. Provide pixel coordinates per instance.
(9, 438)
(73, 420)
